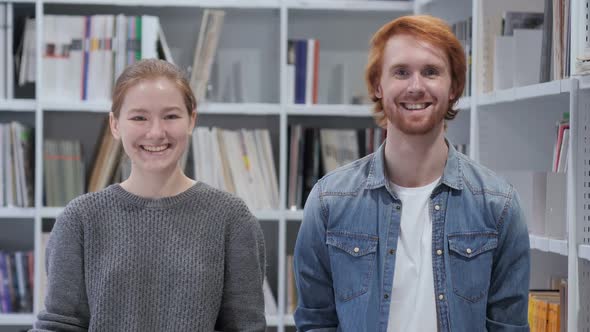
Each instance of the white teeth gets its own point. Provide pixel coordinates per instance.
(415, 106)
(155, 148)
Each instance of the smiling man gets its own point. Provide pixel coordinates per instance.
(416, 236)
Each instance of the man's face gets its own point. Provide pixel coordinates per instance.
(415, 85)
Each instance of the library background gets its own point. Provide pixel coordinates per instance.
(283, 80)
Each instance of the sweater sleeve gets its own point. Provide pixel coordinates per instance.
(242, 307)
(66, 304)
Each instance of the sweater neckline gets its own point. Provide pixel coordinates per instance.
(155, 203)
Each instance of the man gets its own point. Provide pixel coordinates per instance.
(414, 237)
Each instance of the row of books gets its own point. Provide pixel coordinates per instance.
(238, 161)
(314, 152)
(303, 57)
(524, 43)
(63, 171)
(518, 50)
(16, 281)
(560, 151)
(16, 165)
(548, 308)
(463, 31)
(83, 55)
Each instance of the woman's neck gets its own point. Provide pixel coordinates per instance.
(157, 185)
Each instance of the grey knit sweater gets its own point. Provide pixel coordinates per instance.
(120, 262)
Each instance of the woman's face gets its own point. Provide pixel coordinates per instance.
(153, 125)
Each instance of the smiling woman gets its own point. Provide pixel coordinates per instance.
(159, 251)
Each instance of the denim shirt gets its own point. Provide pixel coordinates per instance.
(346, 250)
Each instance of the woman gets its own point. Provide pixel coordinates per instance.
(159, 251)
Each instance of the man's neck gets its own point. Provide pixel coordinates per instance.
(157, 185)
(415, 160)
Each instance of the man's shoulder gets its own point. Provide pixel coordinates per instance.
(348, 178)
(479, 179)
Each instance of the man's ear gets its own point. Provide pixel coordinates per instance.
(378, 92)
(114, 124)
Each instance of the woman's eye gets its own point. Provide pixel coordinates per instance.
(138, 118)
(430, 72)
(172, 116)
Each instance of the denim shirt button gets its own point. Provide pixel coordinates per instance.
(441, 297)
(391, 251)
(386, 296)
(397, 207)
(356, 249)
(468, 250)
(439, 252)
(437, 207)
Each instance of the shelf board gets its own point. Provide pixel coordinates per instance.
(464, 103)
(525, 92)
(10, 212)
(330, 110)
(76, 106)
(289, 320)
(352, 5)
(51, 212)
(17, 319)
(239, 108)
(177, 3)
(584, 251)
(584, 82)
(205, 108)
(296, 215)
(17, 105)
(546, 244)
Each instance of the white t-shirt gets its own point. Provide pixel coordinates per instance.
(413, 306)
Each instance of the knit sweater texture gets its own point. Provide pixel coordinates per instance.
(120, 262)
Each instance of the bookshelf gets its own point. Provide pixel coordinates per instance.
(343, 27)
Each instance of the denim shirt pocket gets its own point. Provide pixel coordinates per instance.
(352, 259)
(471, 259)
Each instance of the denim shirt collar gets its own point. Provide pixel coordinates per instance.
(451, 177)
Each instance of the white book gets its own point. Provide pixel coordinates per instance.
(150, 26)
(93, 65)
(74, 79)
(226, 175)
(50, 57)
(217, 157)
(62, 59)
(9, 55)
(9, 169)
(120, 44)
(504, 62)
(108, 60)
(3, 51)
(258, 187)
(527, 56)
(263, 137)
(309, 71)
(17, 164)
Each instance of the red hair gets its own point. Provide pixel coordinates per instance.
(425, 28)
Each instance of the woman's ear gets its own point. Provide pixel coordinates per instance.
(114, 124)
(193, 121)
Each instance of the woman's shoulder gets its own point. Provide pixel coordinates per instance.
(88, 202)
(222, 200)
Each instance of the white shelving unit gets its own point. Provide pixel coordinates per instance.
(342, 26)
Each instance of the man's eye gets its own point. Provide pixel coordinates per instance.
(172, 116)
(400, 73)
